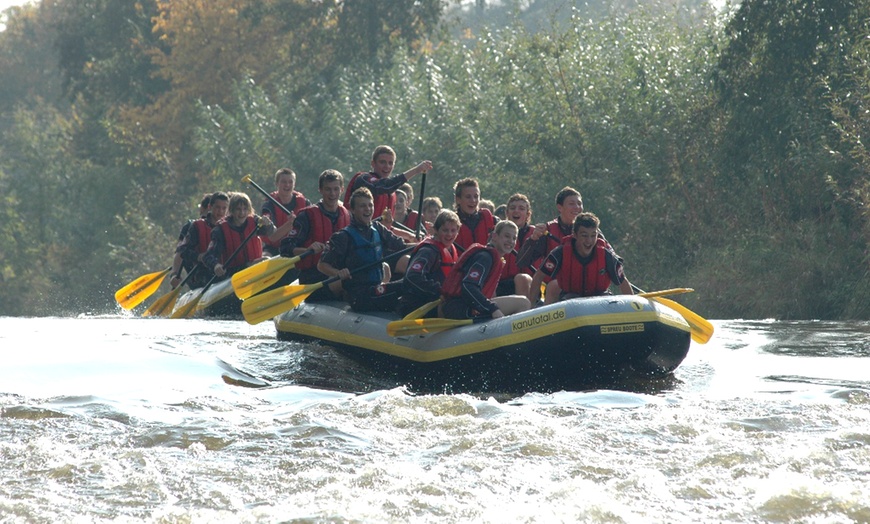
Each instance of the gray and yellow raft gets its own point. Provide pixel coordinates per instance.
(575, 344)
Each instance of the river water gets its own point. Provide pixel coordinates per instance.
(123, 419)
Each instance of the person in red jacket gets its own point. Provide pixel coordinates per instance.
(583, 265)
(477, 222)
(379, 180)
(195, 243)
(285, 192)
(232, 231)
(469, 289)
(312, 229)
(430, 263)
(514, 280)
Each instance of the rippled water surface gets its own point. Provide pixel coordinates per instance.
(129, 420)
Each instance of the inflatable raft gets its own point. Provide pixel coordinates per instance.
(576, 344)
(219, 300)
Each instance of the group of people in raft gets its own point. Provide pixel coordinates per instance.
(480, 265)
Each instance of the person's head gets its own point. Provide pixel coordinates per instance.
(400, 209)
(467, 194)
(409, 191)
(330, 185)
(362, 205)
(487, 204)
(383, 160)
(519, 209)
(204, 204)
(285, 181)
(240, 207)
(504, 237)
(569, 203)
(219, 205)
(585, 233)
(431, 207)
(447, 225)
(501, 212)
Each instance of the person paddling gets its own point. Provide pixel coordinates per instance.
(292, 200)
(583, 265)
(229, 233)
(360, 243)
(196, 240)
(469, 290)
(430, 263)
(312, 229)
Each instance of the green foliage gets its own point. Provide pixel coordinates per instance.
(725, 154)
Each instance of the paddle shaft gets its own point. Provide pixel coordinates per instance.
(419, 227)
(370, 265)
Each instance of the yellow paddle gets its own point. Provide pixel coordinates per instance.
(421, 311)
(399, 328)
(420, 326)
(272, 303)
(702, 329)
(163, 305)
(251, 280)
(187, 310)
(138, 290)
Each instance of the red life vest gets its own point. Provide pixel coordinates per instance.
(556, 235)
(280, 217)
(480, 235)
(411, 221)
(320, 229)
(381, 200)
(510, 260)
(588, 279)
(233, 239)
(448, 255)
(452, 286)
(203, 234)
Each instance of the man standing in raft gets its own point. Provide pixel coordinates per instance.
(379, 182)
(584, 265)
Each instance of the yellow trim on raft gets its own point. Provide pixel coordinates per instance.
(525, 334)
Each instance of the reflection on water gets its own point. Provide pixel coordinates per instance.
(124, 419)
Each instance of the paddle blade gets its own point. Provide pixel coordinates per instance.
(400, 328)
(666, 292)
(138, 290)
(272, 303)
(250, 281)
(702, 329)
(421, 311)
(187, 310)
(163, 305)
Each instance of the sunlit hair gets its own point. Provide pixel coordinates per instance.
(445, 216)
(285, 171)
(409, 191)
(239, 199)
(205, 202)
(218, 195)
(519, 197)
(505, 224)
(330, 175)
(462, 184)
(381, 150)
(565, 193)
(586, 219)
(487, 204)
(430, 202)
(360, 193)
